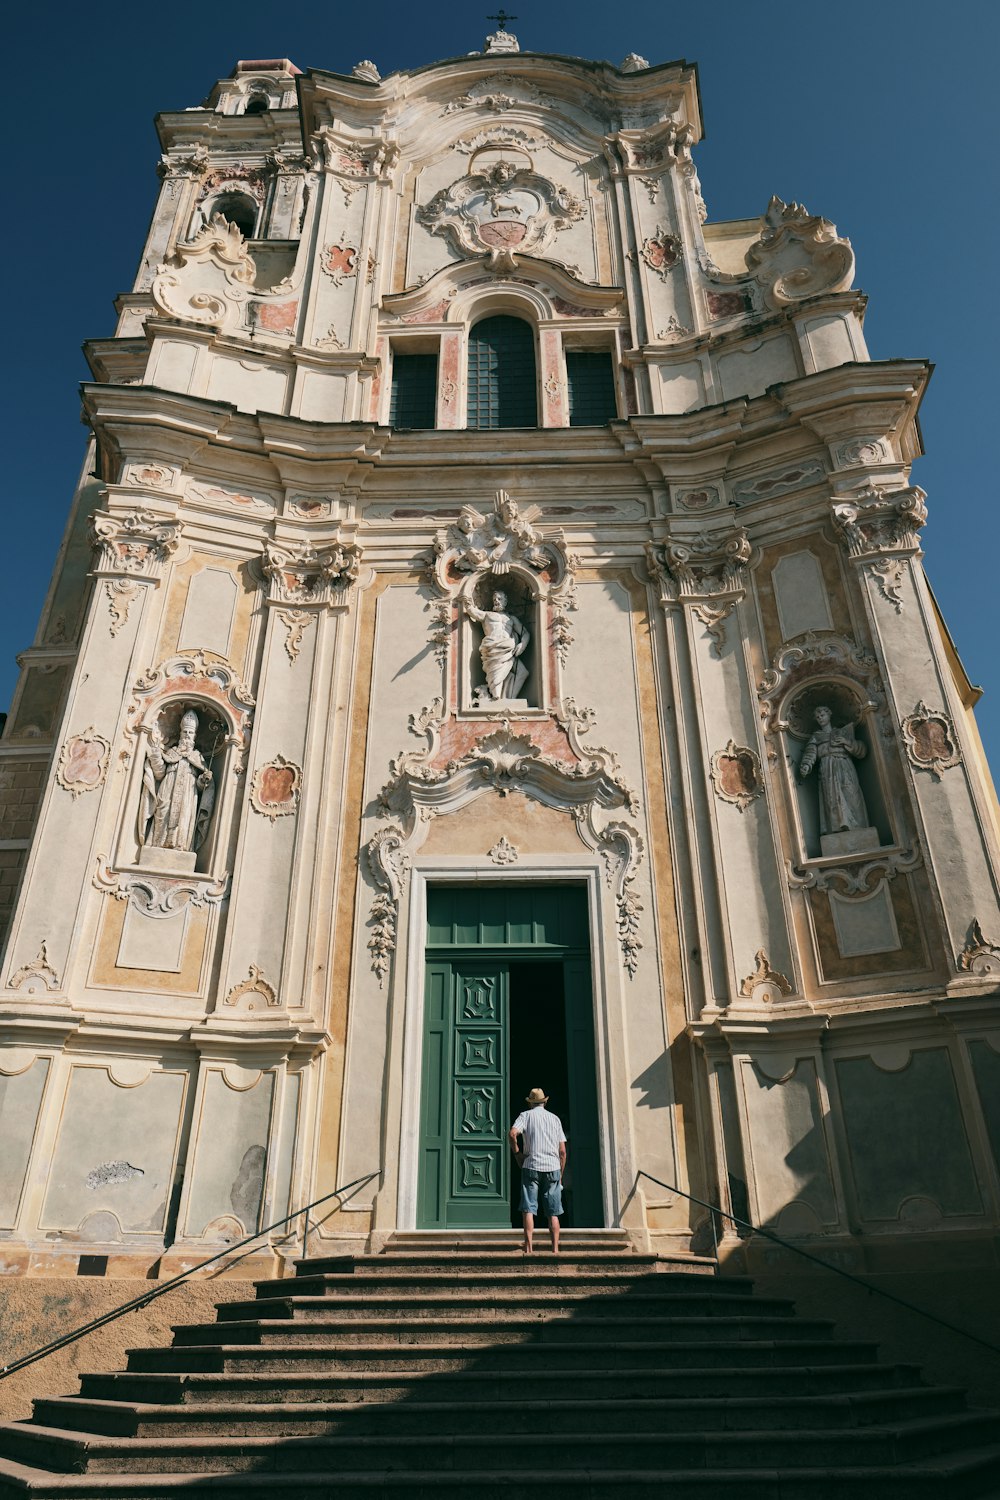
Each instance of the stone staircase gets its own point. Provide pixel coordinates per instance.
(450, 1364)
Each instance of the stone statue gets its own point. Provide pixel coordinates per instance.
(841, 800)
(178, 792)
(504, 642)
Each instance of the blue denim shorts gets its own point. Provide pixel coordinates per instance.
(550, 1187)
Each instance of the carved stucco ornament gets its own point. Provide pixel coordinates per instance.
(817, 655)
(83, 762)
(799, 255)
(979, 956)
(422, 785)
(275, 789)
(706, 572)
(296, 622)
(503, 852)
(502, 210)
(159, 895)
(764, 985)
(37, 977)
(250, 991)
(208, 279)
(930, 740)
(736, 775)
(661, 252)
(131, 551)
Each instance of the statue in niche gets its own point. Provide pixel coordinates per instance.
(841, 800)
(505, 640)
(178, 791)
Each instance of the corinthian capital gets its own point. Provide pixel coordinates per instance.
(879, 523)
(304, 575)
(134, 545)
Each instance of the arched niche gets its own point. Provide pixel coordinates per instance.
(166, 727)
(848, 705)
(520, 592)
(223, 705)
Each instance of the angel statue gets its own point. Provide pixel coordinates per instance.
(841, 800)
(178, 791)
(505, 639)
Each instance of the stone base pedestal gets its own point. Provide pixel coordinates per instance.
(851, 841)
(501, 705)
(167, 861)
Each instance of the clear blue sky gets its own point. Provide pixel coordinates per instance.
(880, 115)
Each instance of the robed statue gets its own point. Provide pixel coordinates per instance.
(178, 791)
(504, 642)
(841, 800)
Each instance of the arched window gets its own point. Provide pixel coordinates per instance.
(502, 374)
(257, 104)
(239, 209)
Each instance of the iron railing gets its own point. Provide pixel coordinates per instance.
(768, 1234)
(166, 1286)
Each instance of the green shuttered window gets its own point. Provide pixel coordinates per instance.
(413, 394)
(502, 374)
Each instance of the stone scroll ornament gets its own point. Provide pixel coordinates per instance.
(131, 551)
(504, 211)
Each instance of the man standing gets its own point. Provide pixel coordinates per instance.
(542, 1165)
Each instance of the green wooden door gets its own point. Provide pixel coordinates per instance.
(464, 1157)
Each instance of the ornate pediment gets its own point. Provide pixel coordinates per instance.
(799, 255)
(500, 213)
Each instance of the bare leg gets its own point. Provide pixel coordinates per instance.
(554, 1234)
(529, 1227)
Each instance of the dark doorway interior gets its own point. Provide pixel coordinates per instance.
(538, 1055)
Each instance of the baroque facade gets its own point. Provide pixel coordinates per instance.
(490, 648)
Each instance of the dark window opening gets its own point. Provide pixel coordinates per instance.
(502, 374)
(591, 382)
(413, 393)
(257, 104)
(238, 209)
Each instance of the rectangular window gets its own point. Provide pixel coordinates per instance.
(591, 382)
(413, 394)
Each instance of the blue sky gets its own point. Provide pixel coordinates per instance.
(879, 115)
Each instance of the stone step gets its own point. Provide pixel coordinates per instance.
(435, 1412)
(93, 1453)
(496, 1325)
(551, 1356)
(724, 1384)
(488, 1264)
(960, 1476)
(357, 1281)
(548, 1303)
(441, 1241)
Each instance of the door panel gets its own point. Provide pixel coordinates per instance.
(464, 1103)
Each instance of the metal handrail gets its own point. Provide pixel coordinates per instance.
(767, 1234)
(166, 1286)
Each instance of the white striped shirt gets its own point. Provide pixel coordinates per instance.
(543, 1135)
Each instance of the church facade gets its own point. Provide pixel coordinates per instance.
(490, 649)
